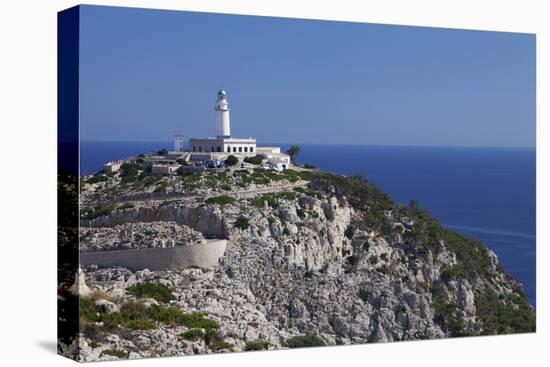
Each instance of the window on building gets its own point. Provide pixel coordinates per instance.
(228, 149)
(240, 149)
(251, 149)
(234, 149)
(194, 148)
(219, 149)
(246, 149)
(200, 148)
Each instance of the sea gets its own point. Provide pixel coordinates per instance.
(484, 193)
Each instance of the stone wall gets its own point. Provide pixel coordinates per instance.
(205, 255)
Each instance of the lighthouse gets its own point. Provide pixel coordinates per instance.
(223, 143)
(222, 115)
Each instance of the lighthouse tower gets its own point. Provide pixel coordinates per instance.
(222, 115)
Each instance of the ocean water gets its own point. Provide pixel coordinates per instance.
(485, 193)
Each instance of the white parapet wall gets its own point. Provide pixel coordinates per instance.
(178, 257)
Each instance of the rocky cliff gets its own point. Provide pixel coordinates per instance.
(333, 261)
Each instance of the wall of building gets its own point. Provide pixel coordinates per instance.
(112, 166)
(179, 257)
(205, 145)
(164, 169)
(240, 148)
(178, 143)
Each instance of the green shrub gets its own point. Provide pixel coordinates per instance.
(218, 345)
(513, 314)
(220, 200)
(231, 161)
(172, 316)
(363, 294)
(287, 195)
(257, 160)
(270, 198)
(97, 212)
(98, 177)
(257, 345)
(309, 166)
(192, 334)
(148, 289)
(301, 213)
(366, 246)
(196, 320)
(115, 352)
(91, 330)
(304, 341)
(350, 230)
(292, 152)
(140, 324)
(129, 172)
(242, 222)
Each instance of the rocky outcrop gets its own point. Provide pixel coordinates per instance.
(139, 235)
(207, 220)
(338, 261)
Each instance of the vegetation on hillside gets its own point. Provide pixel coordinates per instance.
(497, 315)
(148, 289)
(304, 341)
(231, 160)
(257, 159)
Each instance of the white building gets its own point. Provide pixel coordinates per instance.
(112, 166)
(219, 147)
(222, 115)
(178, 143)
(223, 142)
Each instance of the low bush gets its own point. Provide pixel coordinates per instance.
(242, 222)
(257, 160)
(115, 352)
(257, 345)
(148, 289)
(96, 212)
(231, 161)
(513, 314)
(197, 320)
(287, 195)
(218, 345)
(363, 294)
(304, 341)
(99, 177)
(129, 172)
(141, 324)
(192, 334)
(271, 200)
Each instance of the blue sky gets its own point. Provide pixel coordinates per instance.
(147, 74)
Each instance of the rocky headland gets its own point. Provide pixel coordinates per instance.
(313, 259)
